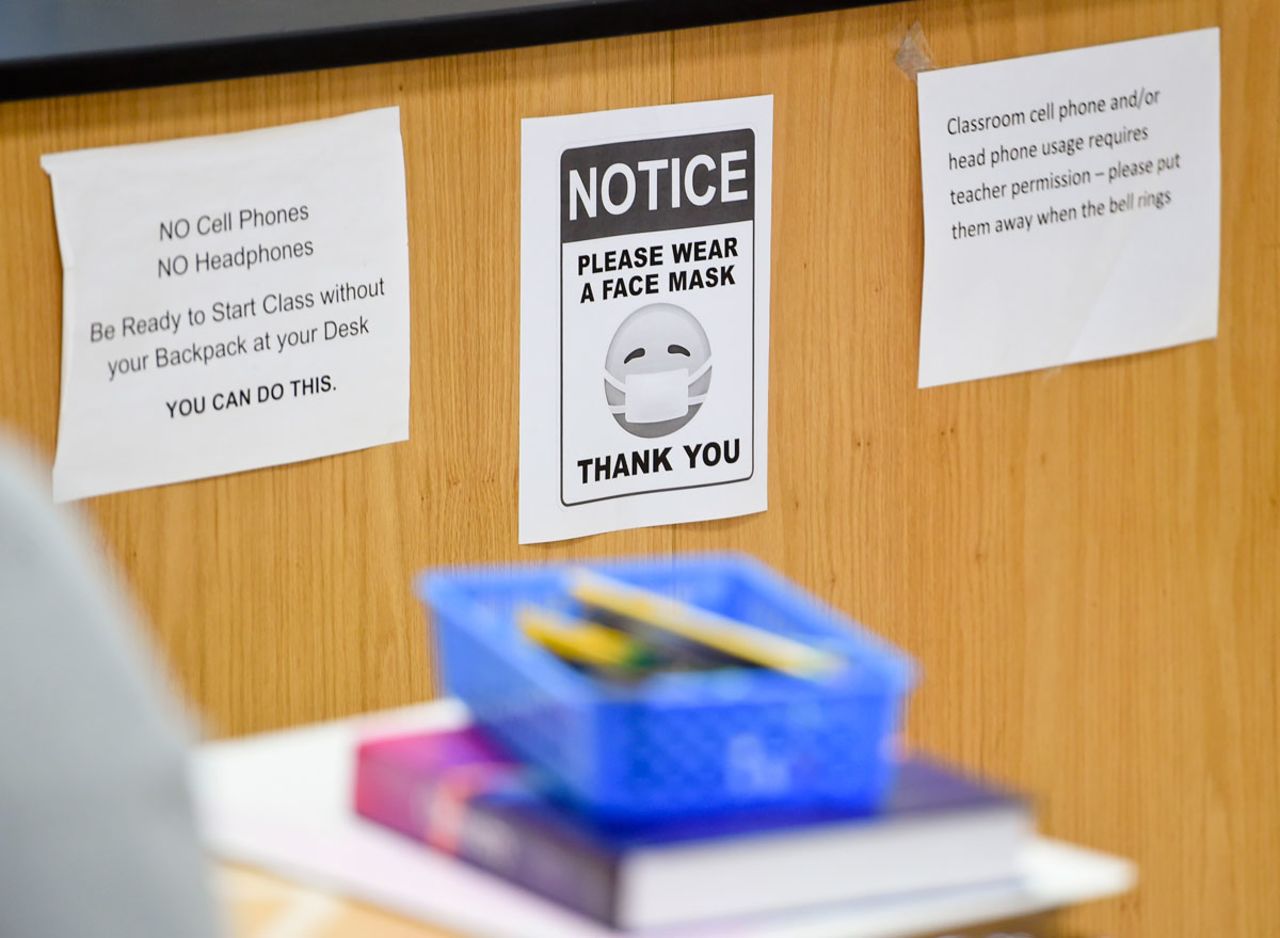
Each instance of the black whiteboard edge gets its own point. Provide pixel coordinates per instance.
(148, 65)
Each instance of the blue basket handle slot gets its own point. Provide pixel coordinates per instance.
(751, 770)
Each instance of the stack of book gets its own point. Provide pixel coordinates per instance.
(459, 792)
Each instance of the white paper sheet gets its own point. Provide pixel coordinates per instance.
(1071, 206)
(231, 302)
(282, 801)
(644, 317)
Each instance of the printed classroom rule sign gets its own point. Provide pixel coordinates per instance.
(1071, 206)
(644, 343)
(231, 302)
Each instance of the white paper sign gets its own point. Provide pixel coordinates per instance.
(1071, 206)
(231, 302)
(644, 317)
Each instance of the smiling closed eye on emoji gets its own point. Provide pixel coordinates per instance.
(657, 371)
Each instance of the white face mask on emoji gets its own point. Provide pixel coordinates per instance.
(657, 395)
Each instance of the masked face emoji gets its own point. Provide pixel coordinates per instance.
(657, 371)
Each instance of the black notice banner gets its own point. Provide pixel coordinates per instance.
(654, 185)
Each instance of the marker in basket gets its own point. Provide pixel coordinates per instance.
(733, 639)
(594, 646)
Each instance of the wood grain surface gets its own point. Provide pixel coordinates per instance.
(1084, 560)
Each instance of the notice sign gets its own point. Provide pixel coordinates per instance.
(644, 317)
(231, 302)
(1071, 206)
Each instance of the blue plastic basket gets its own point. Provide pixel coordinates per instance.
(680, 742)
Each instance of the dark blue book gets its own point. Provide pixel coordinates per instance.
(458, 792)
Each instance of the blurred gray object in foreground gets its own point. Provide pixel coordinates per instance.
(97, 836)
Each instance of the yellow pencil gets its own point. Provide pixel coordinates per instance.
(584, 642)
(735, 639)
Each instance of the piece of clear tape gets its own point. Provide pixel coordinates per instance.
(913, 55)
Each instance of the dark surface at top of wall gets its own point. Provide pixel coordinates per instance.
(54, 47)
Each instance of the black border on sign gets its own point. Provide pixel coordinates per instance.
(675, 488)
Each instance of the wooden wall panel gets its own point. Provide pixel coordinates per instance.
(1084, 560)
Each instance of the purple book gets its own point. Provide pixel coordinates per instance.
(460, 793)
